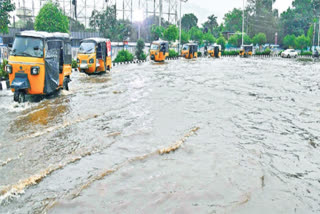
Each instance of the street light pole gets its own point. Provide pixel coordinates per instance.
(242, 24)
(179, 30)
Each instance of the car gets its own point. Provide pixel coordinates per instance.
(289, 53)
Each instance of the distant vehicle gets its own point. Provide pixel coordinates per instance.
(316, 53)
(214, 51)
(190, 51)
(289, 53)
(39, 63)
(94, 55)
(246, 50)
(159, 51)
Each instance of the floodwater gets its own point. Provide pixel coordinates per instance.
(201, 136)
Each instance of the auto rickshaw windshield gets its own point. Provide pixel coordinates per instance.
(185, 47)
(154, 47)
(87, 47)
(210, 48)
(27, 46)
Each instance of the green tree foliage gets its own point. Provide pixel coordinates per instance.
(296, 20)
(289, 41)
(171, 33)
(5, 8)
(211, 24)
(259, 39)
(184, 37)
(139, 50)
(188, 21)
(196, 34)
(302, 42)
(247, 40)
(221, 41)
(51, 19)
(235, 40)
(209, 38)
(124, 56)
(173, 53)
(109, 26)
(76, 25)
(157, 32)
(233, 20)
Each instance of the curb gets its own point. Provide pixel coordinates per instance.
(4, 85)
(115, 64)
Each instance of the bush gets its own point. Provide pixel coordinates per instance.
(173, 53)
(229, 53)
(3, 73)
(199, 54)
(306, 53)
(124, 56)
(267, 51)
(139, 50)
(74, 64)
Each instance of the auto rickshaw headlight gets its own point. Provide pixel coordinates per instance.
(9, 69)
(35, 70)
(91, 61)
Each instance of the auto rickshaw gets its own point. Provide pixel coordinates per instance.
(94, 55)
(39, 63)
(190, 51)
(246, 50)
(214, 51)
(159, 51)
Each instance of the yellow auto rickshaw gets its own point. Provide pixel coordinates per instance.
(246, 50)
(159, 51)
(39, 63)
(214, 51)
(190, 51)
(94, 55)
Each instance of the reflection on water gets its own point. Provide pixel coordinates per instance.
(92, 149)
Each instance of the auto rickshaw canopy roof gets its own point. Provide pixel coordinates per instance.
(96, 40)
(44, 35)
(160, 42)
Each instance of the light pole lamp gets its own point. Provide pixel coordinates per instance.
(180, 24)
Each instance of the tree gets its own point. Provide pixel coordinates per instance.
(188, 21)
(247, 40)
(196, 34)
(209, 38)
(51, 19)
(76, 25)
(260, 39)
(302, 42)
(139, 50)
(289, 41)
(171, 33)
(235, 40)
(157, 32)
(184, 37)
(222, 41)
(211, 24)
(233, 20)
(5, 8)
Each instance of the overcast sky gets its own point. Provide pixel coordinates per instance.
(205, 8)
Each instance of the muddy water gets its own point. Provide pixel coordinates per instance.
(245, 134)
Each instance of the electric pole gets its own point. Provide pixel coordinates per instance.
(242, 24)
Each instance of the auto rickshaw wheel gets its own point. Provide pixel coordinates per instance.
(66, 83)
(19, 96)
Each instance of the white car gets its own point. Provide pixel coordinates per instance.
(289, 53)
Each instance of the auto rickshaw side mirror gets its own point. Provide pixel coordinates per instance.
(36, 48)
(10, 45)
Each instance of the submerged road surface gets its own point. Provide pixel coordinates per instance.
(200, 136)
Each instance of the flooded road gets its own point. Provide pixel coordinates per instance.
(205, 136)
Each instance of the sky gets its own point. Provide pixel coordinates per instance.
(204, 8)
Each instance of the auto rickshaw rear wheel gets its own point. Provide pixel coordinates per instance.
(19, 96)
(66, 83)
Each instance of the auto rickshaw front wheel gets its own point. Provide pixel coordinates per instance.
(19, 96)
(66, 81)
